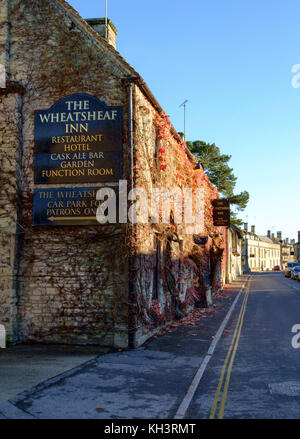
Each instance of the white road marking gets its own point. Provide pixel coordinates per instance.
(181, 412)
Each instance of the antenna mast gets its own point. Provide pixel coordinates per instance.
(183, 105)
(106, 32)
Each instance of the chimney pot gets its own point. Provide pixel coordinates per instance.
(98, 24)
(279, 236)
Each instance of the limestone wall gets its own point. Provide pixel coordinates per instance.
(10, 141)
(72, 283)
(162, 161)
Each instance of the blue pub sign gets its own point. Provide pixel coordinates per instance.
(78, 139)
(65, 206)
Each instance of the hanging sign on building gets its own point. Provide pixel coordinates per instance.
(200, 240)
(78, 139)
(221, 212)
(66, 206)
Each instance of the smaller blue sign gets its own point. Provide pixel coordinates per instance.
(65, 206)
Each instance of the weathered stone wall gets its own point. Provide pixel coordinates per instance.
(4, 35)
(84, 302)
(162, 161)
(10, 131)
(72, 283)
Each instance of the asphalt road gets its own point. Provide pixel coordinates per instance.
(148, 382)
(255, 370)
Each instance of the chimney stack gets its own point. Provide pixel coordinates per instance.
(273, 236)
(299, 237)
(253, 229)
(246, 227)
(98, 24)
(269, 234)
(279, 235)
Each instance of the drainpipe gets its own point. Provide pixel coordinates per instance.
(132, 319)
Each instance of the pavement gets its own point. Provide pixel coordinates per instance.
(24, 366)
(52, 382)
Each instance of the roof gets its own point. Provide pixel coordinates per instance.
(129, 71)
(268, 240)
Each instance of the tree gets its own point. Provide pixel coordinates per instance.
(220, 174)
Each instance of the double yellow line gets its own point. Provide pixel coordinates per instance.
(229, 359)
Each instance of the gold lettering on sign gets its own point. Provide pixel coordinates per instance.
(76, 117)
(62, 173)
(75, 153)
(77, 128)
(80, 138)
(101, 171)
(78, 147)
(46, 195)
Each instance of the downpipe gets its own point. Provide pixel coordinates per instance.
(132, 318)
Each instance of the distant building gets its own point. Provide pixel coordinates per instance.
(234, 253)
(287, 252)
(260, 253)
(297, 249)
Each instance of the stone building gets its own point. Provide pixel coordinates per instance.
(297, 249)
(75, 117)
(260, 253)
(287, 249)
(287, 252)
(234, 253)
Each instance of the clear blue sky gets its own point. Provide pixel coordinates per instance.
(232, 60)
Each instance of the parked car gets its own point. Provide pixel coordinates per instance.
(277, 268)
(295, 272)
(289, 266)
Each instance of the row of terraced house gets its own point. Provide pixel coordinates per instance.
(264, 253)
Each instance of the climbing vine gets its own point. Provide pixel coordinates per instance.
(75, 280)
